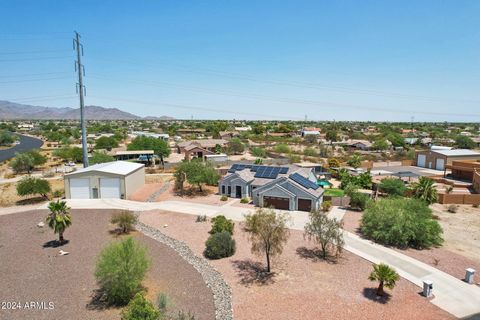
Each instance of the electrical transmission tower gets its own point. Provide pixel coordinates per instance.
(81, 91)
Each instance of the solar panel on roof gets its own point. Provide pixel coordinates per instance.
(301, 180)
(283, 170)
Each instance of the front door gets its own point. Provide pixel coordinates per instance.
(238, 191)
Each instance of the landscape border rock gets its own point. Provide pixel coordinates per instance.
(222, 293)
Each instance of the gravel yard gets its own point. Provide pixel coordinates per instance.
(301, 287)
(31, 272)
(451, 257)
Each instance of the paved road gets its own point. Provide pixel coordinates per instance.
(451, 294)
(26, 144)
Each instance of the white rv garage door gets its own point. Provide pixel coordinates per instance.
(440, 164)
(421, 160)
(110, 188)
(80, 188)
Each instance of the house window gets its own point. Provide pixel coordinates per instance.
(229, 190)
(223, 189)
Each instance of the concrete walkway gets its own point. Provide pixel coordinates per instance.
(451, 294)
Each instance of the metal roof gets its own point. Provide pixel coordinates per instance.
(458, 152)
(116, 167)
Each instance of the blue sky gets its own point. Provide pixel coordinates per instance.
(342, 60)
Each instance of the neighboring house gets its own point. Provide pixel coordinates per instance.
(360, 144)
(243, 129)
(200, 148)
(308, 131)
(25, 127)
(287, 187)
(216, 157)
(439, 158)
(410, 141)
(191, 131)
(163, 136)
(463, 169)
(144, 156)
(118, 179)
(227, 135)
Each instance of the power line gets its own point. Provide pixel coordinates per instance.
(33, 74)
(198, 108)
(294, 83)
(323, 104)
(38, 58)
(32, 52)
(41, 98)
(81, 90)
(33, 80)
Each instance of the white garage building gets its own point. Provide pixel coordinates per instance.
(117, 179)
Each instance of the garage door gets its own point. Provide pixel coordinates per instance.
(305, 205)
(80, 188)
(440, 165)
(277, 203)
(421, 160)
(110, 188)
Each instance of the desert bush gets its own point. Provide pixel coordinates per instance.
(220, 224)
(259, 152)
(201, 218)
(58, 193)
(244, 200)
(219, 245)
(125, 220)
(48, 174)
(140, 308)
(224, 198)
(326, 232)
(401, 222)
(182, 315)
(359, 200)
(392, 186)
(162, 301)
(29, 185)
(326, 205)
(120, 270)
(453, 208)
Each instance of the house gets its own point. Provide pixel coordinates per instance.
(221, 157)
(117, 179)
(463, 169)
(201, 147)
(243, 129)
(438, 158)
(360, 144)
(287, 187)
(163, 136)
(227, 135)
(410, 141)
(309, 131)
(191, 131)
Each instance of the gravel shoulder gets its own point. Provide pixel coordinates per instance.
(31, 272)
(301, 286)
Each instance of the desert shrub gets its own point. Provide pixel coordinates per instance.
(310, 152)
(58, 193)
(219, 245)
(182, 315)
(220, 224)
(162, 301)
(224, 198)
(140, 308)
(201, 218)
(125, 220)
(259, 152)
(48, 174)
(358, 200)
(282, 148)
(244, 200)
(120, 270)
(453, 208)
(326, 205)
(476, 205)
(401, 222)
(392, 186)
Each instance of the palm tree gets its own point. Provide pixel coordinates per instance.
(425, 190)
(59, 218)
(386, 275)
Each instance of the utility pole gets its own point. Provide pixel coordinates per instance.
(81, 90)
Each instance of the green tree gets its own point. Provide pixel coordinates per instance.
(140, 308)
(355, 160)
(331, 135)
(326, 232)
(106, 143)
(159, 146)
(310, 152)
(385, 275)
(6, 138)
(38, 158)
(333, 163)
(59, 218)
(100, 157)
(236, 146)
(125, 220)
(267, 231)
(195, 172)
(120, 270)
(259, 129)
(29, 185)
(22, 163)
(392, 187)
(74, 154)
(425, 190)
(464, 142)
(380, 144)
(221, 224)
(396, 139)
(401, 222)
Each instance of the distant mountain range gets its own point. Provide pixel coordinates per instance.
(16, 111)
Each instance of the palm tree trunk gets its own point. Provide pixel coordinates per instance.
(268, 261)
(380, 291)
(60, 237)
